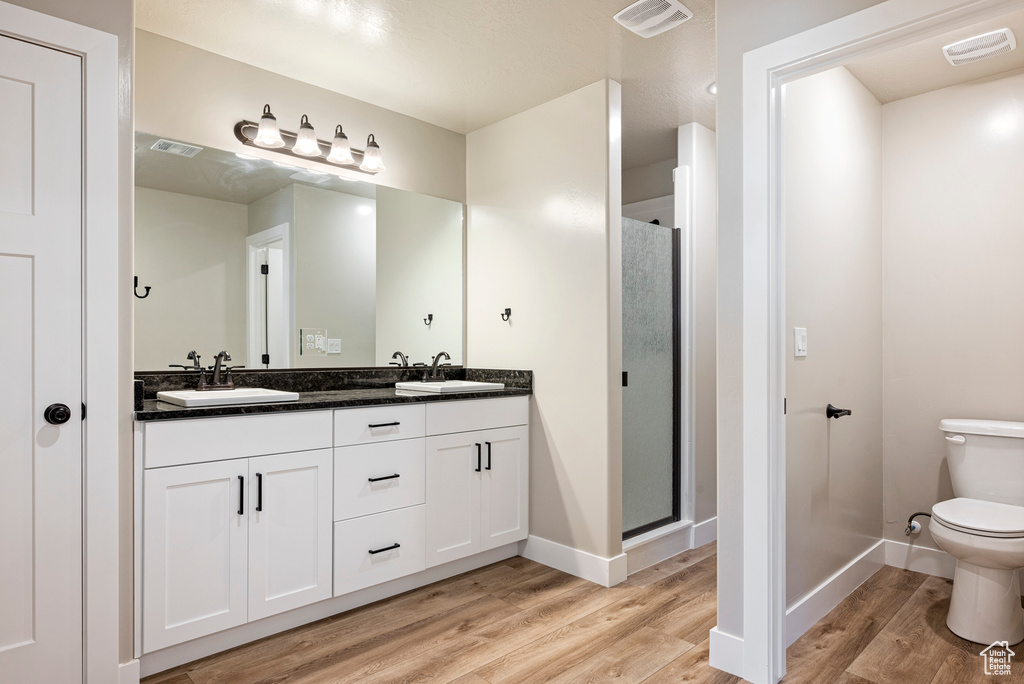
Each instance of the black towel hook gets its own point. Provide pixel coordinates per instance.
(507, 315)
(429, 319)
(141, 296)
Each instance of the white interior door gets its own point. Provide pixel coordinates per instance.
(269, 296)
(290, 525)
(41, 344)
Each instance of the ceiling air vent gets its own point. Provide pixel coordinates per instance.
(180, 149)
(648, 18)
(980, 47)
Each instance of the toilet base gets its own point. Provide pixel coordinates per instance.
(985, 606)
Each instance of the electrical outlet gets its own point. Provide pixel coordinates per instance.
(312, 341)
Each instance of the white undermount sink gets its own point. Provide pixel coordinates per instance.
(239, 395)
(449, 386)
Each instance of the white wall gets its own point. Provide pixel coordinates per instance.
(953, 249)
(741, 26)
(545, 240)
(191, 251)
(832, 158)
(195, 96)
(334, 240)
(647, 182)
(419, 243)
(697, 149)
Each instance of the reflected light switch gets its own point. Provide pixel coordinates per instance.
(333, 346)
(799, 342)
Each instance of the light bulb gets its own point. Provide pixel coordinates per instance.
(305, 141)
(341, 150)
(372, 161)
(268, 135)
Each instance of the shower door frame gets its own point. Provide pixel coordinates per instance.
(677, 397)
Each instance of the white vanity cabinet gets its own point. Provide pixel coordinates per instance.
(245, 517)
(477, 479)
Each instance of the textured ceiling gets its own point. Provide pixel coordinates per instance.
(464, 64)
(921, 67)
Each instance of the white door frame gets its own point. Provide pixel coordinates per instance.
(100, 229)
(762, 655)
(284, 234)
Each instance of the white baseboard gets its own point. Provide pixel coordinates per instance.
(653, 547)
(803, 614)
(173, 656)
(705, 532)
(725, 652)
(919, 559)
(604, 571)
(129, 673)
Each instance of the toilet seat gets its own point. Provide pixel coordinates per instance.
(981, 518)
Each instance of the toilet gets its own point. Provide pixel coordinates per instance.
(983, 528)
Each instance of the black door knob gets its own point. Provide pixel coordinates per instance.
(57, 414)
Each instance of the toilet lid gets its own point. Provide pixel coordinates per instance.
(984, 518)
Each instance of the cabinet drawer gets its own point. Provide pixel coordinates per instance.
(365, 479)
(201, 440)
(448, 417)
(377, 424)
(355, 567)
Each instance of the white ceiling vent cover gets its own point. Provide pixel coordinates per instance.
(180, 149)
(648, 18)
(980, 47)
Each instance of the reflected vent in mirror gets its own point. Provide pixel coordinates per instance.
(180, 149)
(980, 47)
(648, 18)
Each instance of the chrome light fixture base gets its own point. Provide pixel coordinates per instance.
(245, 132)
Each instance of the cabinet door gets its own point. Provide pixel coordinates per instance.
(194, 553)
(453, 496)
(290, 518)
(504, 504)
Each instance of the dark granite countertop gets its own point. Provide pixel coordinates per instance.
(149, 409)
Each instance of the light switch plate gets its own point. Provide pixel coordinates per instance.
(799, 342)
(333, 346)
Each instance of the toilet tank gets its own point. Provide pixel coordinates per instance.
(986, 459)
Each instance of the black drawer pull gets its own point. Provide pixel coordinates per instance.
(259, 491)
(386, 548)
(379, 479)
(488, 455)
(378, 425)
(241, 495)
(478, 447)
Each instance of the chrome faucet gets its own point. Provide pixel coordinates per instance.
(402, 362)
(436, 370)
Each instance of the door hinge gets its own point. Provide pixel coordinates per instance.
(83, 410)
(625, 378)
(264, 269)
(783, 405)
(265, 360)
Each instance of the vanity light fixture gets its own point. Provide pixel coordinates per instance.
(268, 134)
(305, 144)
(372, 161)
(341, 150)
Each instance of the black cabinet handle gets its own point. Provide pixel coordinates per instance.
(379, 479)
(386, 548)
(488, 455)
(259, 491)
(478, 448)
(241, 495)
(378, 425)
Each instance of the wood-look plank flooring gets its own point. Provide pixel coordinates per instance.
(518, 622)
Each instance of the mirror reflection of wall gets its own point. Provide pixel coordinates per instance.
(352, 270)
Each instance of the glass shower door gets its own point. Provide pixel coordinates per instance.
(651, 367)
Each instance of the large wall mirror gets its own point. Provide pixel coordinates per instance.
(287, 268)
